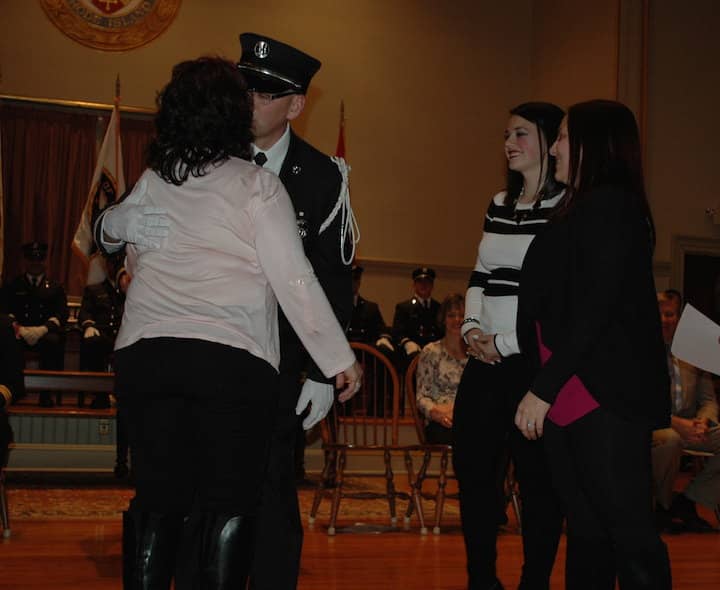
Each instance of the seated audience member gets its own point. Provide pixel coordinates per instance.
(415, 321)
(99, 319)
(38, 306)
(439, 370)
(11, 381)
(694, 425)
(367, 324)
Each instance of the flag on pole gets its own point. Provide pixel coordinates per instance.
(108, 184)
(340, 149)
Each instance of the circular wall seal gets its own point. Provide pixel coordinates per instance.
(111, 25)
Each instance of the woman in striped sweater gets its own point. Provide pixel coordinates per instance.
(497, 376)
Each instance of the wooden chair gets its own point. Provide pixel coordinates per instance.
(366, 425)
(4, 516)
(444, 453)
(699, 458)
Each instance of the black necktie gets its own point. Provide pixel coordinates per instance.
(260, 159)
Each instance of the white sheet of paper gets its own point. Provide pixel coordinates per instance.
(696, 340)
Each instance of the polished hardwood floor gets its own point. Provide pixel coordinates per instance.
(86, 554)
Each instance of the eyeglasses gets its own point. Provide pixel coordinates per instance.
(265, 98)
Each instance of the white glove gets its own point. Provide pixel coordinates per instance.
(321, 396)
(90, 332)
(31, 334)
(385, 343)
(136, 224)
(411, 347)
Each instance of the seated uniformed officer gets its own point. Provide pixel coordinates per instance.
(367, 324)
(99, 319)
(416, 320)
(38, 307)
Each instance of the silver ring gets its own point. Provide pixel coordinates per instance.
(531, 424)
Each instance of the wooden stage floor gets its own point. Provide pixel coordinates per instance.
(65, 554)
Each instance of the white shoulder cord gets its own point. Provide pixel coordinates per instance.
(349, 228)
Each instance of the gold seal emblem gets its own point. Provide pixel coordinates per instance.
(111, 25)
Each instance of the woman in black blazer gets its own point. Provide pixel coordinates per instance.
(588, 317)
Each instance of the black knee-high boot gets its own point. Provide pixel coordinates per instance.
(216, 552)
(150, 545)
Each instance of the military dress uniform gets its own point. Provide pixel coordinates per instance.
(366, 324)
(32, 301)
(102, 308)
(11, 381)
(416, 321)
(314, 183)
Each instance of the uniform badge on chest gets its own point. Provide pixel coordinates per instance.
(302, 225)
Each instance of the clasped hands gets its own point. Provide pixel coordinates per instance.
(482, 346)
(442, 414)
(32, 334)
(691, 430)
(530, 416)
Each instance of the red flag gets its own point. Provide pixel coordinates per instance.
(340, 149)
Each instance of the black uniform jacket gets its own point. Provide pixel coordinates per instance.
(415, 322)
(588, 280)
(102, 307)
(32, 305)
(11, 379)
(366, 324)
(313, 182)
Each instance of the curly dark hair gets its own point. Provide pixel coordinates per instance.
(204, 117)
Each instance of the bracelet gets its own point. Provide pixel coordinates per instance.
(470, 321)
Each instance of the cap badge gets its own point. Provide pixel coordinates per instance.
(261, 49)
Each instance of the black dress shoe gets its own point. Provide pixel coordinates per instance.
(46, 401)
(101, 402)
(121, 470)
(304, 483)
(696, 524)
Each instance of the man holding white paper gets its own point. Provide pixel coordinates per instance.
(694, 425)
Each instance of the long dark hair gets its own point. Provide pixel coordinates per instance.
(546, 117)
(204, 117)
(605, 150)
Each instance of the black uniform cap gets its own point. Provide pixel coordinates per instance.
(271, 66)
(423, 273)
(35, 251)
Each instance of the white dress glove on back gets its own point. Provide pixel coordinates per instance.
(321, 396)
(136, 224)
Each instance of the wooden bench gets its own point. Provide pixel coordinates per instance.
(58, 382)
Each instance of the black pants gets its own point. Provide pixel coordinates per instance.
(95, 352)
(200, 419)
(279, 532)
(483, 428)
(601, 466)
